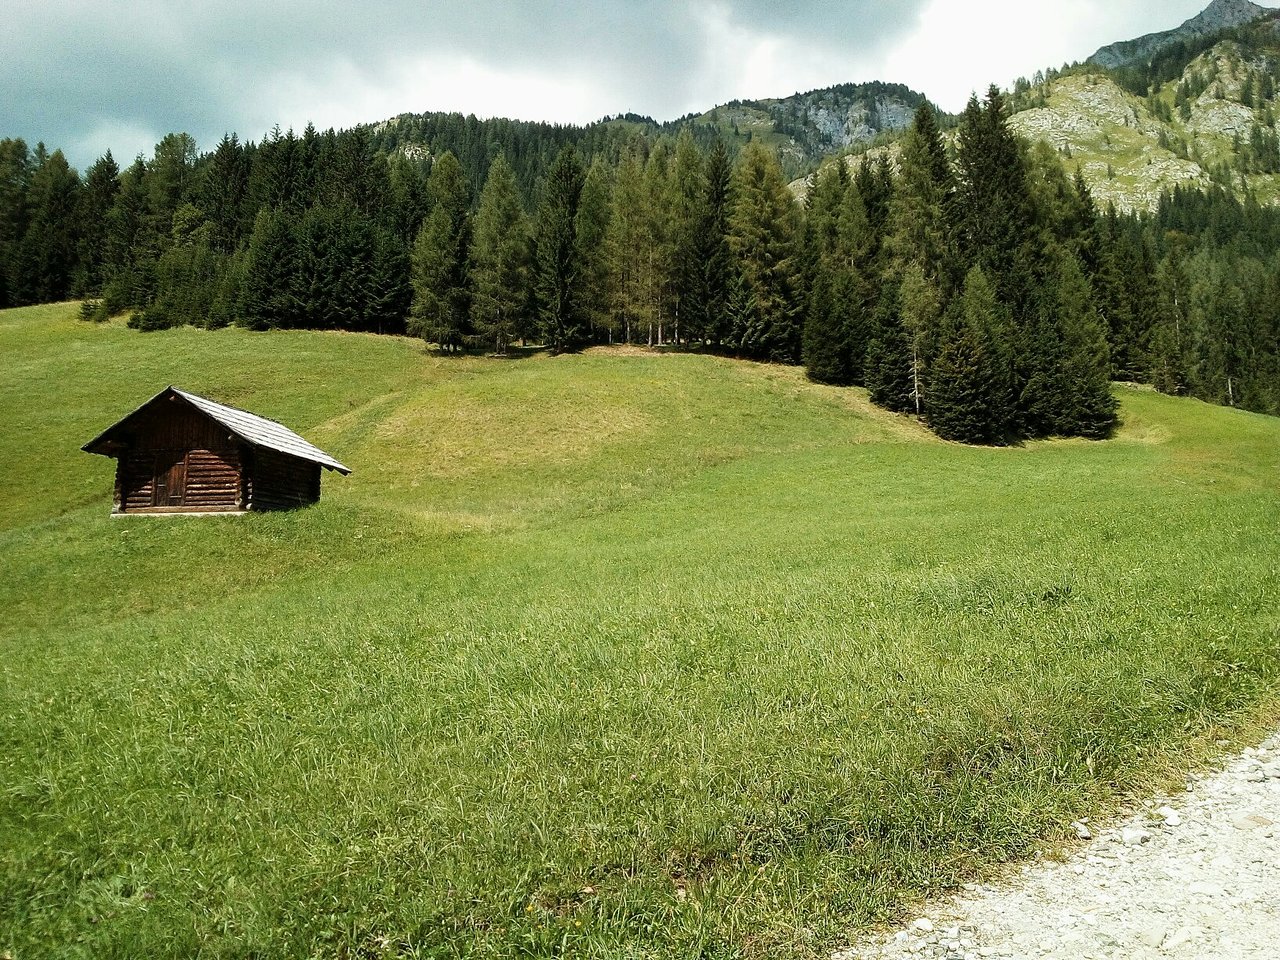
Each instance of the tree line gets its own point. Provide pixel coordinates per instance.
(972, 284)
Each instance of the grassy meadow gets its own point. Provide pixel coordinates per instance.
(606, 655)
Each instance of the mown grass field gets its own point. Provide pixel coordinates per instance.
(610, 655)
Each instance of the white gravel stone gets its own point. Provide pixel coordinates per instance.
(1204, 890)
(1134, 836)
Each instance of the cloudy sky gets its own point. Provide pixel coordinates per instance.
(87, 75)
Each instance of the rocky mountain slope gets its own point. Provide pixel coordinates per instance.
(1219, 15)
(1215, 122)
(808, 126)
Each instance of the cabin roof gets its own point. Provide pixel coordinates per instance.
(253, 429)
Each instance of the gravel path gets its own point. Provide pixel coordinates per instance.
(1196, 876)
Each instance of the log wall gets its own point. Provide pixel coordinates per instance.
(278, 481)
(178, 459)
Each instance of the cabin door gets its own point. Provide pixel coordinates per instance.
(170, 478)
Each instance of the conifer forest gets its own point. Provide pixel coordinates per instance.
(973, 283)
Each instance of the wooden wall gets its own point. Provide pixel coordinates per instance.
(278, 481)
(178, 459)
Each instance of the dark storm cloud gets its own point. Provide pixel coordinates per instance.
(87, 75)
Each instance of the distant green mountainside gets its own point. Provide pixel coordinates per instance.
(1201, 111)
(803, 129)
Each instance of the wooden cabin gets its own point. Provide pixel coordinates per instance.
(180, 453)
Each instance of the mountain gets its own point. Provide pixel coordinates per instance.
(803, 129)
(1208, 116)
(1219, 15)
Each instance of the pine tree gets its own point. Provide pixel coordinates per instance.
(591, 229)
(1092, 407)
(500, 259)
(440, 260)
(559, 274)
(889, 372)
(269, 296)
(101, 184)
(708, 317)
(763, 237)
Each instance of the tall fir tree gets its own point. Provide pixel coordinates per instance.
(763, 235)
(559, 269)
(440, 265)
(591, 230)
(500, 260)
(101, 184)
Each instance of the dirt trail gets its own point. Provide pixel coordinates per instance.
(1195, 876)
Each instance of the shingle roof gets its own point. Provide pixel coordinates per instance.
(249, 427)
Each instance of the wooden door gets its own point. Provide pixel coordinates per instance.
(170, 479)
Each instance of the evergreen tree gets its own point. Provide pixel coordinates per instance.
(626, 243)
(559, 274)
(591, 230)
(500, 259)
(129, 262)
(970, 397)
(388, 292)
(440, 260)
(15, 175)
(890, 376)
(101, 184)
(994, 213)
(688, 196)
(763, 237)
(918, 211)
(222, 192)
(707, 311)
(47, 251)
(269, 296)
(1092, 407)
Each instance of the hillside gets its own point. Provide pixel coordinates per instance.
(617, 654)
(1214, 122)
(802, 128)
(1219, 15)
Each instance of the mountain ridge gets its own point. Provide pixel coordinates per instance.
(1219, 15)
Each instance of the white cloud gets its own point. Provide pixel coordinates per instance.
(957, 49)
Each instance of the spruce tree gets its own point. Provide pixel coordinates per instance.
(1092, 407)
(889, 371)
(500, 259)
(687, 191)
(709, 312)
(101, 184)
(559, 273)
(591, 228)
(971, 395)
(269, 296)
(763, 231)
(440, 266)
(920, 208)
(625, 244)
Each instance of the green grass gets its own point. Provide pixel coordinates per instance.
(611, 655)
